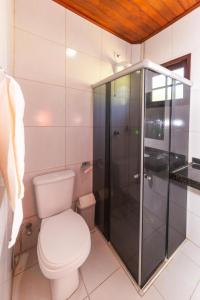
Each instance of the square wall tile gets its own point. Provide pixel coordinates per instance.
(30, 241)
(78, 145)
(159, 47)
(106, 68)
(6, 290)
(45, 148)
(83, 182)
(78, 108)
(195, 69)
(195, 106)
(29, 204)
(39, 59)
(45, 18)
(193, 228)
(82, 71)
(185, 38)
(136, 53)
(89, 41)
(112, 46)
(194, 145)
(193, 202)
(44, 104)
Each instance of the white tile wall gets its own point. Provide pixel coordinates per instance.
(179, 39)
(43, 18)
(39, 59)
(45, 104)
(82, 71)
(159, 47)
(78, 144)
(57, 89)
(6, 29)
(79, 108)
(82, 35)
(45, 148)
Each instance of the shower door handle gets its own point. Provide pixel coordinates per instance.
(116, 132)
(136, 176)
(148, 177)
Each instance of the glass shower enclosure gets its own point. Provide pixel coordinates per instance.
(141, 125)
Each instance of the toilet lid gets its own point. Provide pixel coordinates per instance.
(63, 238)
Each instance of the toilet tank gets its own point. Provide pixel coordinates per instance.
(54, 192)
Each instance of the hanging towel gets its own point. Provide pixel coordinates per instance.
(12, 148)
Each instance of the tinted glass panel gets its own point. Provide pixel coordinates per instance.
(156, 176)
(100, 170)
(178, 158)
(125, 152)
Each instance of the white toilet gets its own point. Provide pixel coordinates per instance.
(64, 240)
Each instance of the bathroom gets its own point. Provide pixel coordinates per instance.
(60, 53)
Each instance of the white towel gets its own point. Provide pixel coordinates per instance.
(12, 148)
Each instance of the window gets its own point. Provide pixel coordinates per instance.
(162, 86)
(180, 65)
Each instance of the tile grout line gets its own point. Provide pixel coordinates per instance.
(27, 268)
(16, 27)
(159, 292)
(193, 243)
(194, 290)
(109, 276)
(190, 259)
(84, 284)
(87, 90)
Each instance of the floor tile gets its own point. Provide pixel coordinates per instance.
(31, 285)
(100, 264)
(179, 278)
(196, 294)
(119, 287)
(80, 293)
(192, 251)
(26, 260)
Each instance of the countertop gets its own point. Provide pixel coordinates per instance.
(188, 175)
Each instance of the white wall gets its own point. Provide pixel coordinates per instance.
(57, 90)
(6, 14)
(179, 39)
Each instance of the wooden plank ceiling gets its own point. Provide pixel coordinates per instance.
(132, 20)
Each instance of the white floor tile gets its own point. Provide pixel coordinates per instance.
(179, 278)
(80, 293)
(31, 285)
(119, 287)
(196, 294)
(192, 251)
(100, 264)
(26, 260)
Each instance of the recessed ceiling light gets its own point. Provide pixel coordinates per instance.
(71, 52)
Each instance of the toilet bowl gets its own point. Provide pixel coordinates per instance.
(64, 240)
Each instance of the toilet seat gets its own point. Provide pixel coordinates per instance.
(63, 244)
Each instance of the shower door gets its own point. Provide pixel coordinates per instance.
(125, 152)
(157, 106)
(101, 157)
